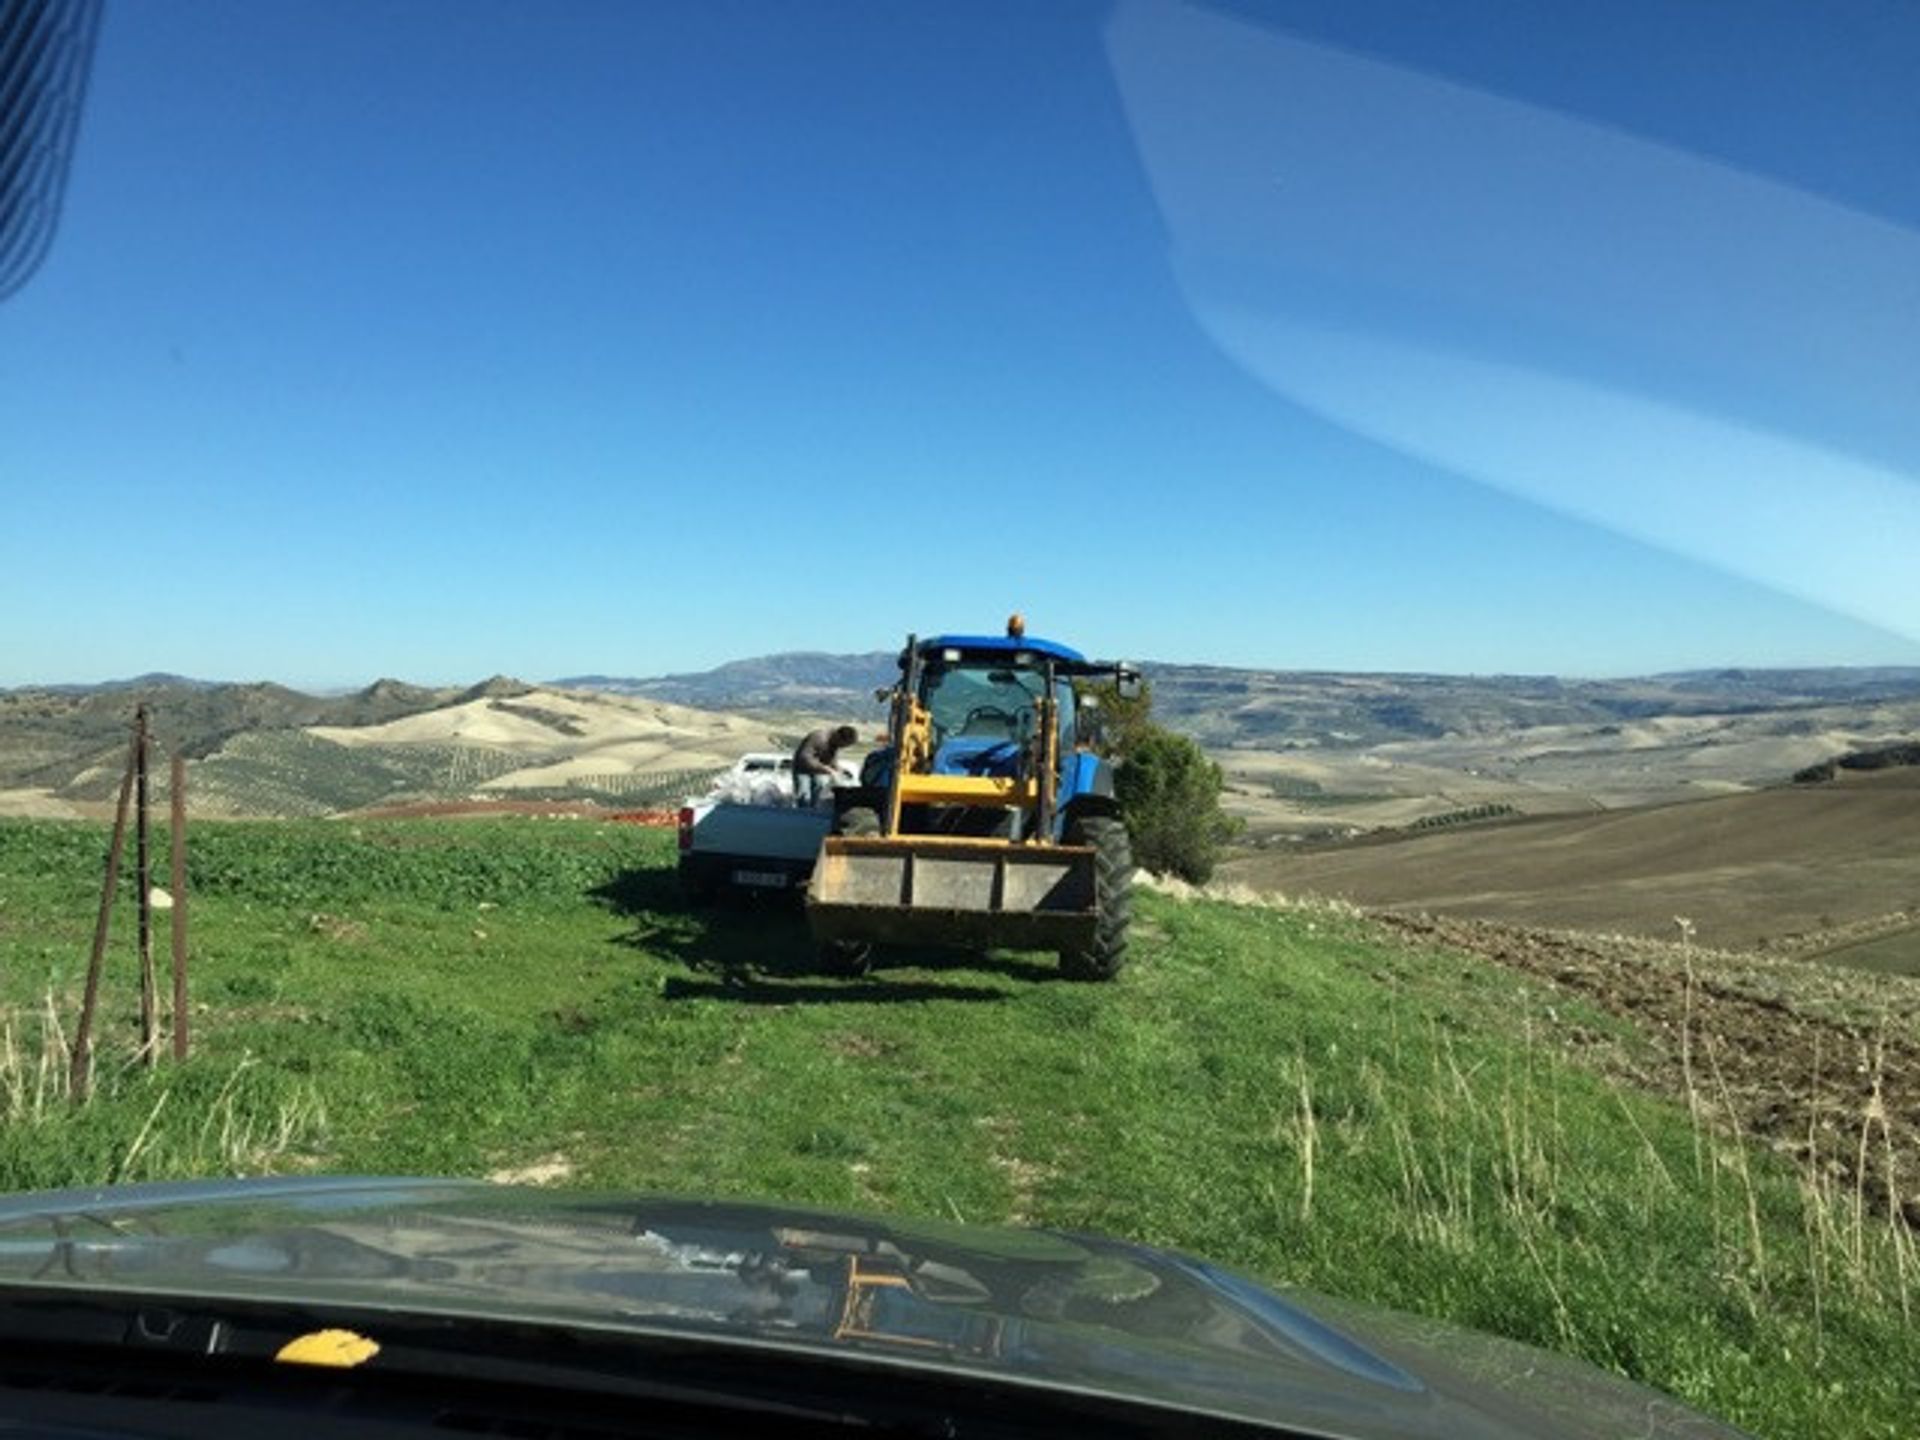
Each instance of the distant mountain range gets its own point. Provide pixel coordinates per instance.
(1223, 706)
(152, 680)
(1218, 705)
(804, 679)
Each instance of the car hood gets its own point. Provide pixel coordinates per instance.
(1028, 1307)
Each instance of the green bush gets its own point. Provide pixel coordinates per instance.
(1170, 794)
(1169, 791)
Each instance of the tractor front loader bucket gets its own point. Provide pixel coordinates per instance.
(931, 890)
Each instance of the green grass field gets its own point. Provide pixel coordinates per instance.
(1287, 1092)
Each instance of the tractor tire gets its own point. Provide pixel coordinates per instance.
(850, 957)
(1113, 894)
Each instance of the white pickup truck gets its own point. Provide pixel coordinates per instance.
(759, 842)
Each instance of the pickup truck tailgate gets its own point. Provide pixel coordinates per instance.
(762, 832)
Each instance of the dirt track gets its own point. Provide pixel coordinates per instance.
(1804, 1055)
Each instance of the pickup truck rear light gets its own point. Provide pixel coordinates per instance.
(686, 827)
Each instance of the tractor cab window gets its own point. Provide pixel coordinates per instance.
(982, 702)
(1063, 697)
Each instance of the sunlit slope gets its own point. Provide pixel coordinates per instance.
(534, 745)
(1743, 868)
(550, 738)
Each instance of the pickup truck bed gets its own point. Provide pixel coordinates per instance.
(764, 848)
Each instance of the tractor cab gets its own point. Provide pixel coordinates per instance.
(983, 698)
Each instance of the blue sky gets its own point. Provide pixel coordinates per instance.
(440, 339)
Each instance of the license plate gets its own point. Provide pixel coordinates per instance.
(761, 879)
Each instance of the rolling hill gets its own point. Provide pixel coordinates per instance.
(1309, 756)
(1312, 756)
(550, 743)
(265, 750)
(51, 735)
(1811, 868)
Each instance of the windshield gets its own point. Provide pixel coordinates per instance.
(468, 470)
(988, 701)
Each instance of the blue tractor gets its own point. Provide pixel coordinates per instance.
(986, 819)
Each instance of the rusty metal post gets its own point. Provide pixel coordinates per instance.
(178, 797)
(149, 999)
(80, 1064)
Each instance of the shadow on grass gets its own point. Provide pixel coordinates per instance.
(635, 893)
(756, 951)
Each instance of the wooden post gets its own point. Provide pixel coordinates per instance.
(179, 837)
(80, 1065)
(149, 998)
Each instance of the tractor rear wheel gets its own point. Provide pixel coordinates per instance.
(850, 957)
(1113, 895)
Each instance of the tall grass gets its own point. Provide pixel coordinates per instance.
(1488, 1157)
(34, 1075)
(1669, 1246)
(228, 1117)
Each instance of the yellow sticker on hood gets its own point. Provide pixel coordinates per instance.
(341, 1349)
